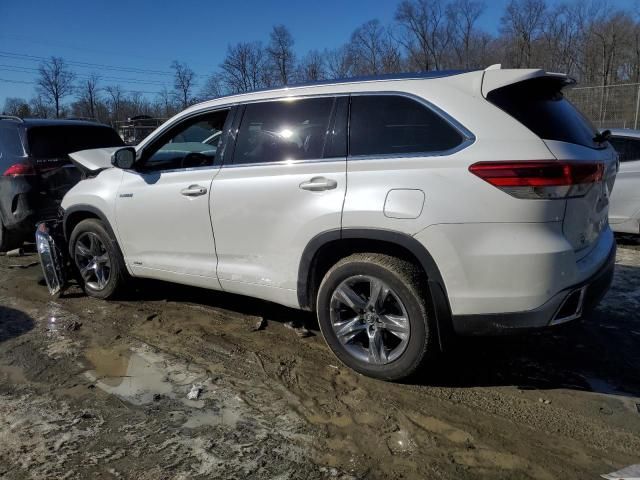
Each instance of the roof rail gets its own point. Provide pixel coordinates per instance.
(11, 117)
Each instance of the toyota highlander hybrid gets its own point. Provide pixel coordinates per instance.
(395, 208)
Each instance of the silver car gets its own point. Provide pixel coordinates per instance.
(624, 210)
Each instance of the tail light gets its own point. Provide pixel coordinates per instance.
(545, 179)
(19, 169)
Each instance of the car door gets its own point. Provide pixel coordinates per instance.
(284, 184)
(625, 197)
(162, 208)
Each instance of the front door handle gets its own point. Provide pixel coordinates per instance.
(193, 191)
(318, 184)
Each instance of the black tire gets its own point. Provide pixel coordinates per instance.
(408, 288)
(117, 277)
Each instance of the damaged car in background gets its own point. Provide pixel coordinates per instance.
(396, 208)
(35, 170)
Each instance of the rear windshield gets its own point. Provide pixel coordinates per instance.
(541, 107)
(56, 141)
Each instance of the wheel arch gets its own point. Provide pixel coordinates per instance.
(77, 213)
(325, 249)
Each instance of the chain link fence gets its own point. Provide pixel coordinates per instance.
(611, 106)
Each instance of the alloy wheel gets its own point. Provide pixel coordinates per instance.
(369, 319)
(92, 260)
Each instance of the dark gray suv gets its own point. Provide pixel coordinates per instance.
(35, 171)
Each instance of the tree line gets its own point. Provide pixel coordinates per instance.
(589, 40)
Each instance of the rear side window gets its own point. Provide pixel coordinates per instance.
(283, 130)
(628, 149)
(10, 143)
(396, 125)
(541, 107)
(55, 141)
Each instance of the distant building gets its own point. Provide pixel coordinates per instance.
(135, 129)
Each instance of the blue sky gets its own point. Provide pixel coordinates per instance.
(147, 35)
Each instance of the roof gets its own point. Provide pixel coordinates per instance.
(623, 132)
(47, 122)
(351, 80)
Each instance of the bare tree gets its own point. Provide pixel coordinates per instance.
(280, 51)
(39, 107)
(367, 45)
(244, 68)
(339, 62)
(55, 81)
(17, 107)
(427, 33)
(88, 94)
(463, 16)
(311, 67)
(183, 82)
(165, 100)
(523, 23)
(115, 101)
(213, 87)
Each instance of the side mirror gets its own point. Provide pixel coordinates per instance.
(124, 158)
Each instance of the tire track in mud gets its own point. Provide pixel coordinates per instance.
(362, 427)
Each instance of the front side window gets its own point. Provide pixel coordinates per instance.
(194, 143)
(397, 125)
(283, 131)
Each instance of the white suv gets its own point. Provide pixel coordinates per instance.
(396, 208)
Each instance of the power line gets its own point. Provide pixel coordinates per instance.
(34, 83)
(21, 69)
(36, 58)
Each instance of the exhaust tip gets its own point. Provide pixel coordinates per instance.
(571, 307)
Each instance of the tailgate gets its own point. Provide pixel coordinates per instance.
(535, 99)
(586, 216)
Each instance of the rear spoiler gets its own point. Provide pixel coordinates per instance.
(495, 77)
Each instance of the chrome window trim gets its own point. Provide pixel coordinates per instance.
(285, 162)
(468, 137)
(162, 129)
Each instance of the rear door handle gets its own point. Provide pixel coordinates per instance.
(318, 184)
(193, 191)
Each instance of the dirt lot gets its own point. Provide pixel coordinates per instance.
(90, 389)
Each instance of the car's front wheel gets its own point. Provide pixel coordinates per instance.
(97, 259)
(372, 311)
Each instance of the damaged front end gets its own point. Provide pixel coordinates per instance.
(49, 237)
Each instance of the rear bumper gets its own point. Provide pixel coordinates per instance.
(571, 303)
(18, 204)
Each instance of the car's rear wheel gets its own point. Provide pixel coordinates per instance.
(97, 259)
(372, 311)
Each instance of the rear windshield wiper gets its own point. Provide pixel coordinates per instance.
(602, 137)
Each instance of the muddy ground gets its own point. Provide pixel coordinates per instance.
(93, 389)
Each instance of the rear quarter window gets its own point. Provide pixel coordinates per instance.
(540, 105)
(57, 141)
(397, 125)
(10, 146)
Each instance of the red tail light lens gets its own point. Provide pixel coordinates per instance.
(19, 169)
(545, 179)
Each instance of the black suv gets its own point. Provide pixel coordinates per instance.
(35, 170)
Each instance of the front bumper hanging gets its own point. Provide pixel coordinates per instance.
(52, 259)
